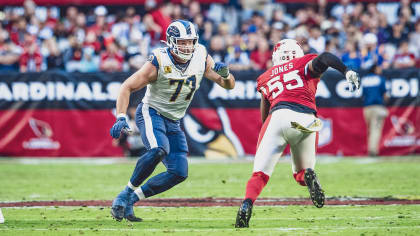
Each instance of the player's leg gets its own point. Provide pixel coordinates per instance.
(368, 114)
(379, 114)
(270, 146)
(176, 164)
(303, 152)
(153, 132)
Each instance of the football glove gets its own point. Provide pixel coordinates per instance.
(222, 69)
(353, 80)
(120, 125)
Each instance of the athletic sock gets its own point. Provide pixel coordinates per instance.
(138, 195)
(255, 185)
(131, 186)
(300, 177)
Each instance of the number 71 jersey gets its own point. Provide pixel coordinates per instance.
(289, 83)
(172, 92)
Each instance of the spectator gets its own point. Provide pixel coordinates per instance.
(111, 59)
(137, 50)
(70, 20)
(374, 111)
(238, 60)
(370, 52)
(79, 29)
(261, 58)
(351, 58)
(206, 33)
(100, 28)
(73, 54)
(162, 18)
(89, 62)
(54, 58)
(194, 10)
(398, 35)
(316, 40)
(305, 46)
(332, 46)
(357, 12)
(91, 41)
(31, 59)
(277, 32)
(415, 39)
(344, 7)
(217, 49)
(51, 20)
(120, 30)
(9, 53)
(18, 31)
(384, 30)
(404, 58)
(405, 4)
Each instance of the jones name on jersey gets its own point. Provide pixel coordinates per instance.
(290, 84)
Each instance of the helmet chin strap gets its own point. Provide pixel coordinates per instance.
(177, 58)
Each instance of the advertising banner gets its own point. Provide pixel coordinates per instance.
(70, 114)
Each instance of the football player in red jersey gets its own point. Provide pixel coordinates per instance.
(288, 112)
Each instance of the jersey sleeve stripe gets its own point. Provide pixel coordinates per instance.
(155, 61)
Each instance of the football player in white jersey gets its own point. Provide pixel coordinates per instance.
(172, 75)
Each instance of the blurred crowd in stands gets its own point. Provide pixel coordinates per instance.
(241, 33)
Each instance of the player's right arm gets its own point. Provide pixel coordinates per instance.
(320, 64)
(145, 75)
(264, 108)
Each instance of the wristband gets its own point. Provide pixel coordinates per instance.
(122, 115)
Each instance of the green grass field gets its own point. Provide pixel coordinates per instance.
(340, 177)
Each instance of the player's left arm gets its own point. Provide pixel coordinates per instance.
(219, 73)
(320, 64)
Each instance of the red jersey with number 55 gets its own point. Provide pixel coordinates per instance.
(290, 83)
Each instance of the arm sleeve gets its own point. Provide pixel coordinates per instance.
(321, 63)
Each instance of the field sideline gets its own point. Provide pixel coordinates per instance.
(365, 196)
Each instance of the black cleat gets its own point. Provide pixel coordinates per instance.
(314, 187)
(244, 214)
(133, 218)
(117, 212)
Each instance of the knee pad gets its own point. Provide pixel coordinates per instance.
(299, 177)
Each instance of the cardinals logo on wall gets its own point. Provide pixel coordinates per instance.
(212, 139)
(403, 133)
(43, 133)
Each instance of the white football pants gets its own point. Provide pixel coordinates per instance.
(276, 133)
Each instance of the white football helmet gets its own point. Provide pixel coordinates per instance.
(286, 50)
(181, 30)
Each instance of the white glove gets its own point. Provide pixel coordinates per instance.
(353, 80)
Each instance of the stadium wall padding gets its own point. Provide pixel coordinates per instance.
(57, 114)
